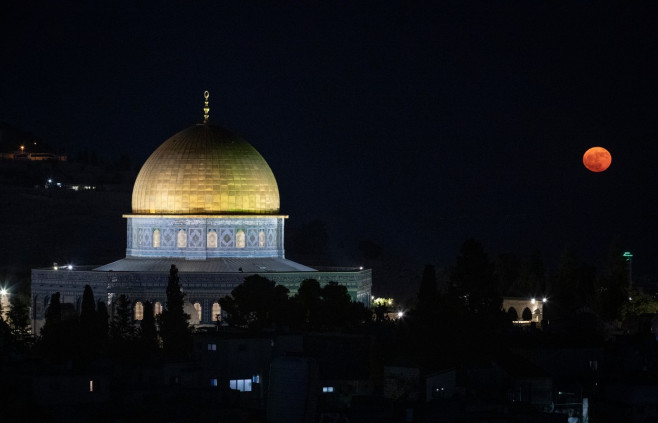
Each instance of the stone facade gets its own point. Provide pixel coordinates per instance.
(200, 288)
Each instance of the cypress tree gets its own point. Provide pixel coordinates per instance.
(89, 336)
(148, 331)
(174, 328)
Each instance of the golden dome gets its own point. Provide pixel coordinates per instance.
(205, 169)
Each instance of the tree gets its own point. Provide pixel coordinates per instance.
(428, 294)
(474, 281)
(174, 327)
(256, 303)
(19, 316)
(122, 329)
(148, 331)
(573, 287)
(89, 336)
(613, 290)
(53, 322)
(5, 331)
(58, 336)
(308, 298)
(102, 324)
(338, 311)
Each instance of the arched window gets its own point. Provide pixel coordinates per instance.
(181, 239)
(197, 307)
(139, 311)
(261, 239)
(527, 314)
(211, 239)
(216, 312)
(157, 308)
(512, 314)
(240, 239)
(156, 238)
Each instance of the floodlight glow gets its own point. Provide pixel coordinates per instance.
(533, 301)
(3, 291)
(400, 314)
(543, 300)
(70, 266)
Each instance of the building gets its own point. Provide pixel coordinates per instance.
(207, 202)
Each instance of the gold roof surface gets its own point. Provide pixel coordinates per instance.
(205, 169)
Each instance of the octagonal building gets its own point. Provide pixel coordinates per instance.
(207, 202)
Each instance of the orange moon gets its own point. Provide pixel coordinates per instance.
(597, 159)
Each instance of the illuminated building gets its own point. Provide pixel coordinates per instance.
(207, 202)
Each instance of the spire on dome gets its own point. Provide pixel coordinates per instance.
(206, 108)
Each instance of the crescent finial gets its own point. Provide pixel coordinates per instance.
(206, 108)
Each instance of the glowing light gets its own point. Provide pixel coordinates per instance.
(70, 267)
(382, 301)
(543, 300)
(4, 291)
(532, 301)
(400, 314)
(597, 159)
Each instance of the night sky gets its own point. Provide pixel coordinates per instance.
(413, 125)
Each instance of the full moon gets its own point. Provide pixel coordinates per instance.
(597, 159)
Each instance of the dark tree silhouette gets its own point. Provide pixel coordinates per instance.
(148, 333)
(428, 294)
(53, 323)
(5, 331)
(122, 329)
(573, 286)
(102, 322)
(256, 303)
(338, 311)
(58, 335)
(309, 300)
(612, 293)
(89, 336)
(19, 316)
(474, 280)
(174, 326)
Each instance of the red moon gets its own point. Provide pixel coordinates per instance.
(597, 159)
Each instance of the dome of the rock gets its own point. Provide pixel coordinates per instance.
(205, 169)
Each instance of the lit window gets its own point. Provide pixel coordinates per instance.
(216, 312)
(157, 308)
(156, 238)
(212, 347)
(197, 307)
(242, 385)
(211, 238)
(91, 386)
(181, 239)
(213, 382)
(240, 239)
(327, 389)
(139, 311)
(255, 379)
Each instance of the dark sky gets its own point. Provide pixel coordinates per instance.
(415, 125)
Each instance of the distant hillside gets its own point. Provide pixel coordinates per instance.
(42, 226)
